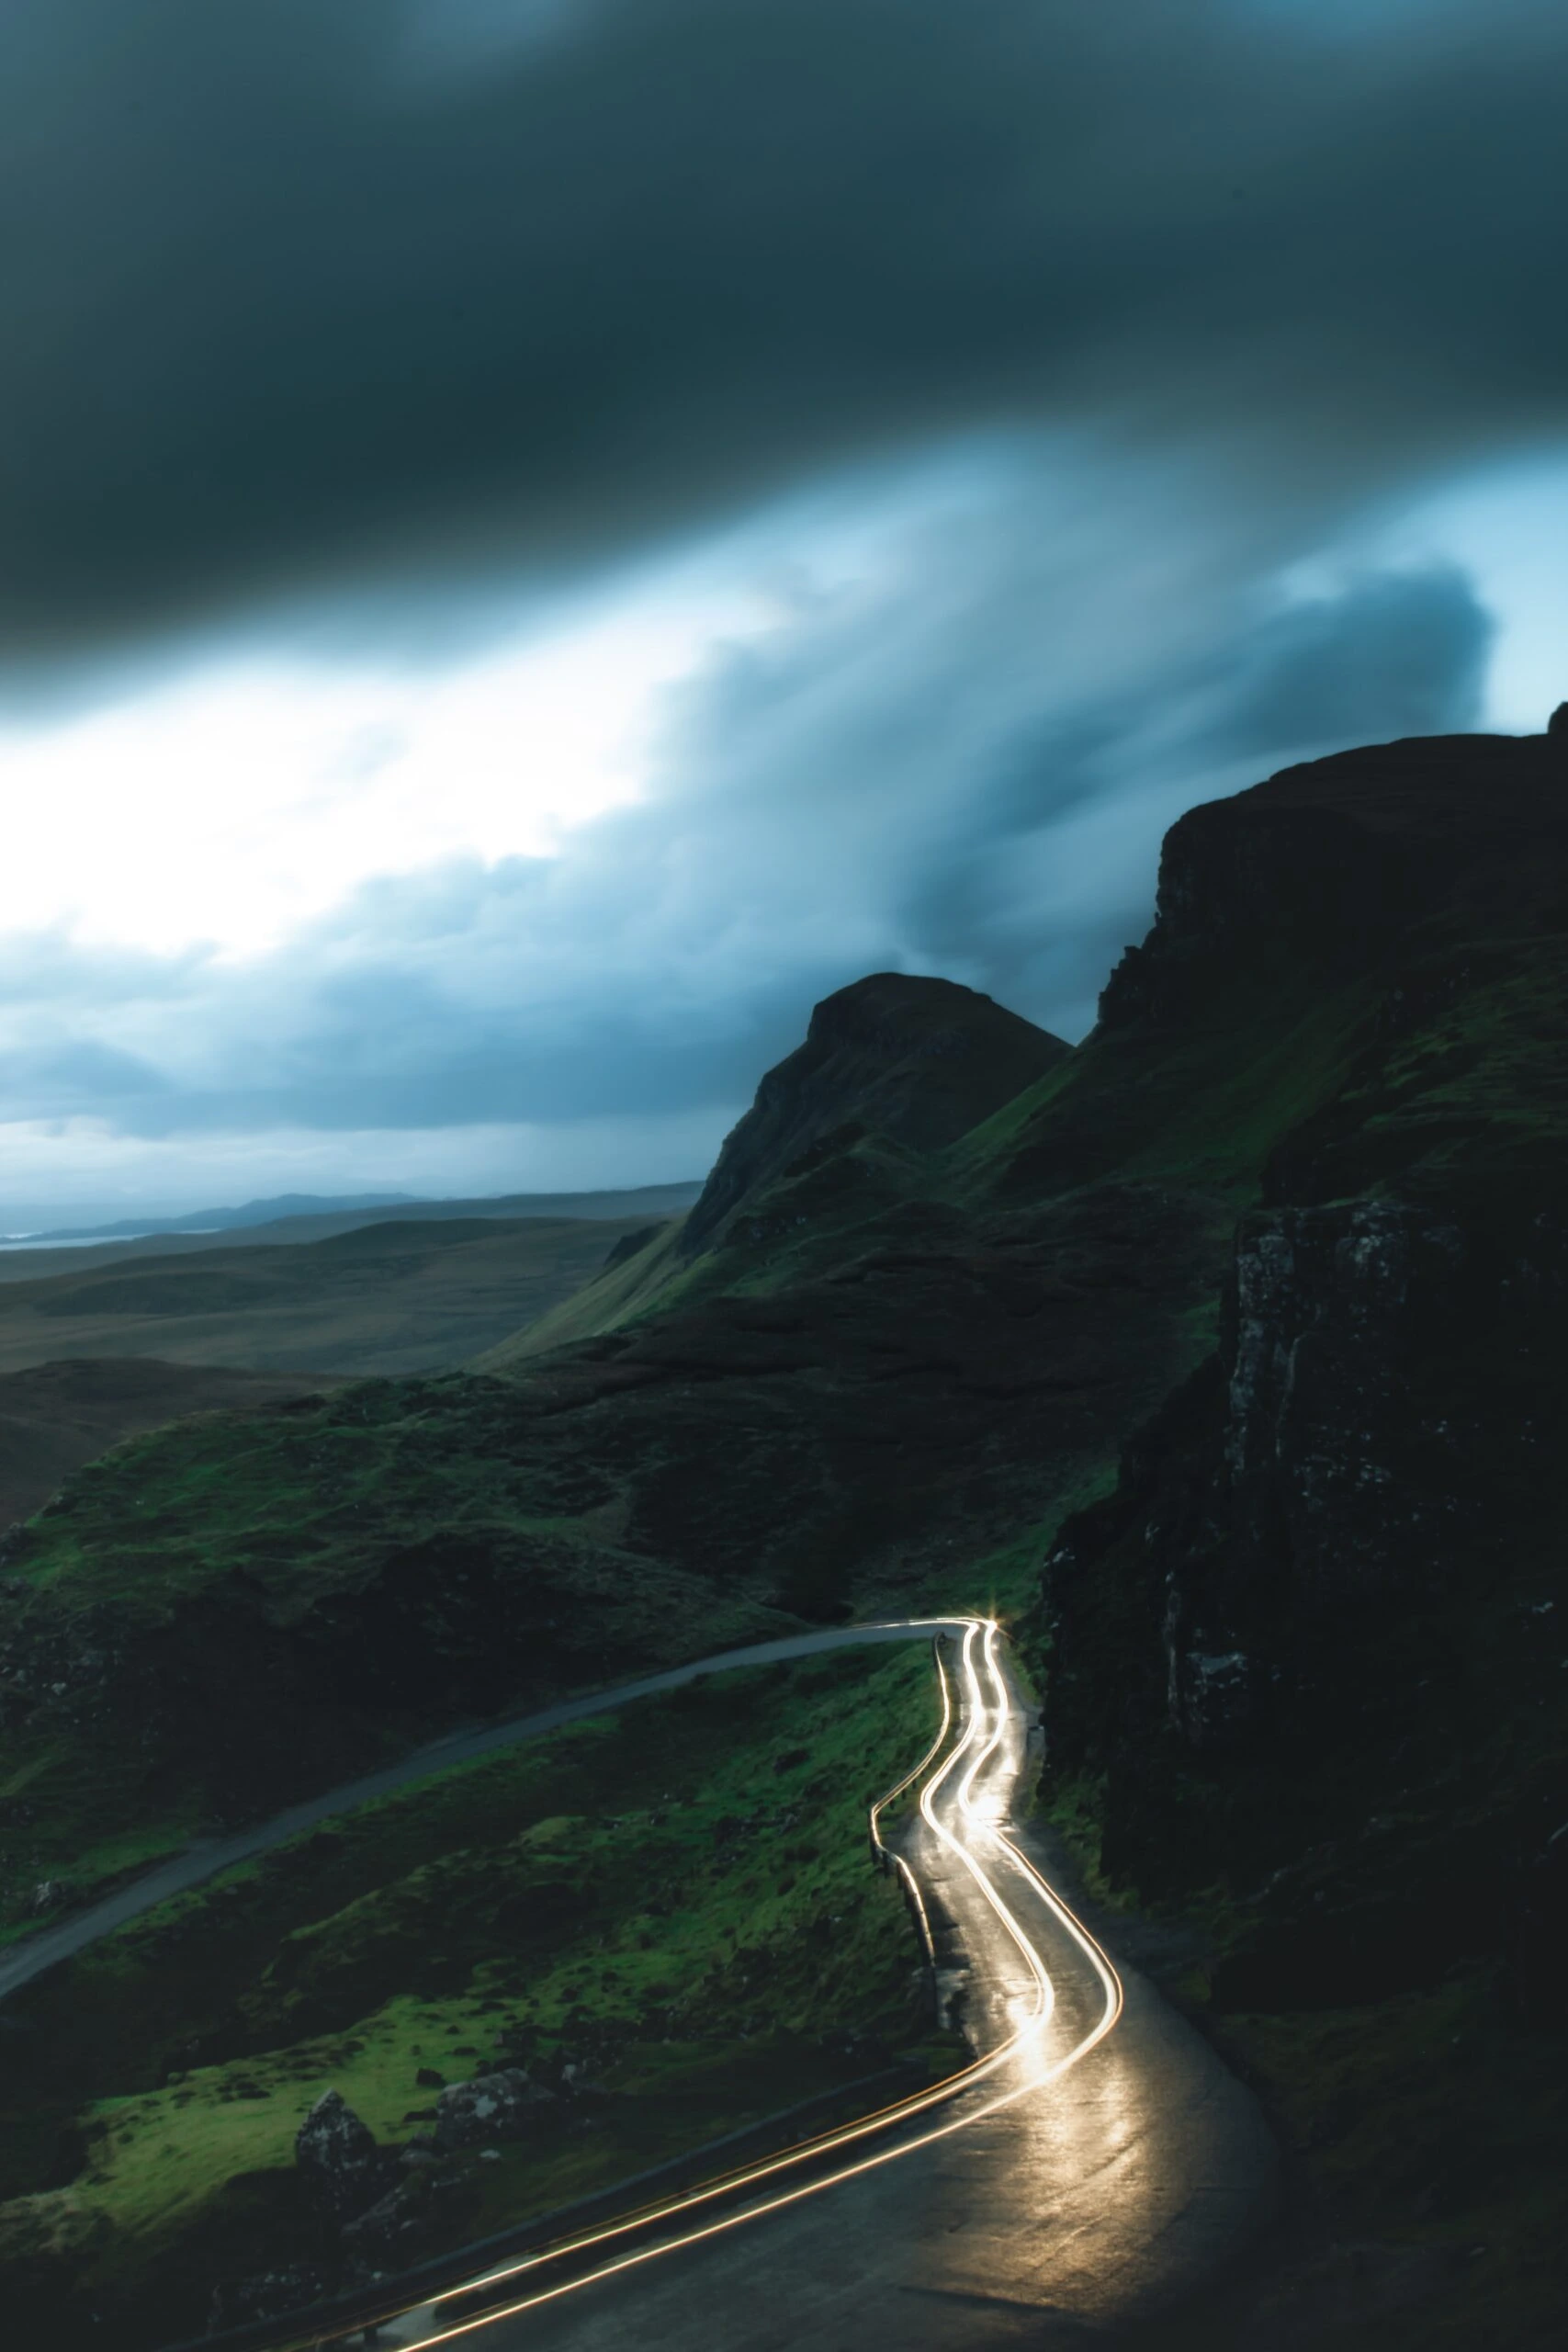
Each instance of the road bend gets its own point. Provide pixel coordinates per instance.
(1092, 2164)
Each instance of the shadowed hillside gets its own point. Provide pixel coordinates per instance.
(1224, 1353)
(1305, 1663)
(60, 1416)
(388, 1297)
(919, 1061)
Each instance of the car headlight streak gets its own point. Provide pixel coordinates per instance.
(971, 1833)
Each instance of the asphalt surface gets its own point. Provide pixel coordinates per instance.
(1103, 2168)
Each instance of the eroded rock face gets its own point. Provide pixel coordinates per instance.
(1316, 872)
(919, 1060)
(501, 2106)
(343, 2168)
(1302, 1535)
(1333, 1457)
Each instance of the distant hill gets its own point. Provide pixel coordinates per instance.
(268, 1212)
(389, 1295)
(641, 1203)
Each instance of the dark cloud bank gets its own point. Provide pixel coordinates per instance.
(300, 288)
(349, 296)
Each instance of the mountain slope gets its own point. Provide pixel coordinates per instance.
(59, 1417)
(1285, 1234)
(850, 1127)
(857, 1385)
(1371, 943)
(920, 1061)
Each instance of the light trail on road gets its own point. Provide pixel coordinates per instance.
(969, 1829)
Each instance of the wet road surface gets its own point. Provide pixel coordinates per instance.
(1099, 2164)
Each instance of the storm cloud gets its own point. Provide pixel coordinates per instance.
(330, 291)
(1042, 384)
(874, 787)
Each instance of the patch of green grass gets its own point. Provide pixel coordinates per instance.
(288, 1499)
(221, 1618)
(1075, 1808)
(676, 1899)
(655, 1278)
(972, 1160)
(1202, 1105)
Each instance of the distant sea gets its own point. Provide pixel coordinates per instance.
(94, 1240)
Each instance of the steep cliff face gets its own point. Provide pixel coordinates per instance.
(920, 1061)
(1311, 1652)
(1358, 971)
(1313, 876)
(1308, 1685)
(1333, 1554)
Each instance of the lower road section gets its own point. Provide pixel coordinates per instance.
(1095, 2161)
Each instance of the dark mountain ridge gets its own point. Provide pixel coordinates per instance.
(1314, 873)
(1268, 1273)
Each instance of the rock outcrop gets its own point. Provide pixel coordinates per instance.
(1316, 874)
(1310, 1648)
(505, 2105)
(419, 2208)
(920, 1061)
(343, 2168)
(1288, 1647)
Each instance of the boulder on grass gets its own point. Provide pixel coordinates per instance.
(503, 2106)
(342, 2169)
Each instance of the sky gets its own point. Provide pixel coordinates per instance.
(538, 538)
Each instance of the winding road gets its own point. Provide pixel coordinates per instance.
(1092, 2166)
(211, 1857)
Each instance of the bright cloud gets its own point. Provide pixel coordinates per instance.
(254, 792)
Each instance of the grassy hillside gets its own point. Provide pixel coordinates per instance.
(1284, 1237)
(666, 1916)
(60, 1416)
(390, 1296)
(231, 1612)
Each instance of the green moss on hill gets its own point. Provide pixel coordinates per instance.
(227, 1614)
(675, 1901)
